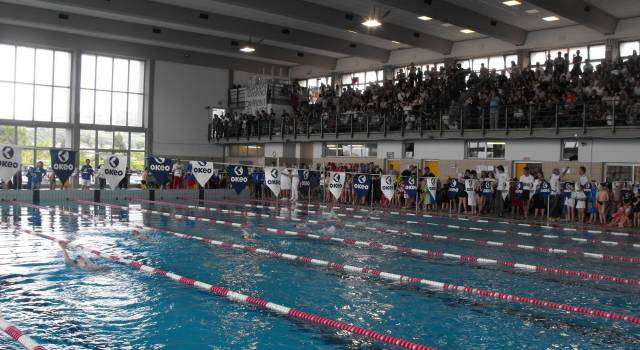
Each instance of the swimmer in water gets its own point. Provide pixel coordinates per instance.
(81, 262)
(248, 236)
(330, 229)
(137, 234)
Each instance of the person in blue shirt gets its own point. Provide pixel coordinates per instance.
(37, 174)
(86, 173)
(257, 178)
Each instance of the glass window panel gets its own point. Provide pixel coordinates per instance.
(619, 172)
(6, 100)
(88, 154)
(465, 64)
(44, 137)
(104, 72)
(44, 67)
(574, 51)
(62, 68)
(137, 141)
(135, 109)
(43, 102)
(8, 134)
(26, 136)
(478, 62)
(360, 77)
(346, 79)
(511, 58)
(136, 76)
(121, 140)
(25, 59)
(596, 52)
(496, 62)
(302, 83)
(45, 157)
(120, 74)
(312, 83)
(105, 139)
(137, 161)
(103, 107)
(24, 102)
(88, 75)
(61, 105)
(28, 159)
(626, 49)
(63, 138)
(371, 77)
(119, 109)
(7, 62)
(538, 57)
(86, 106)
(87, 139)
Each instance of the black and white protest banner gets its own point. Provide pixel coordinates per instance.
(238, 176)
(63, 163)
(336, 184)
(387, 186)
(160, 168)
(362, 185)
(115, 169)
(9, 161)
(202, 171)
(272, 179)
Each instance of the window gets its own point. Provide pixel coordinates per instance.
(314, 86)
(570, 150)
(424, 68)
(627, 48)
(594, 53)
(485, 150)
(246, 151)
(408, 149)
(35, 142)
(351, 150)
(360, 80)
(34, 84)
(622, 172)
(112, 91)
(96, 144)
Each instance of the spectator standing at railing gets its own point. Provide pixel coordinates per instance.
(502, 190)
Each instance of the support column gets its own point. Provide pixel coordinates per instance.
(150, 98)
(76, 68)
(450, 62)
(524, 60)
(612, 50)
(388, 73)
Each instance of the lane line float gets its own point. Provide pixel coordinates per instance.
(17, 335)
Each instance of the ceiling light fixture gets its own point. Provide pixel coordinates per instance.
(532, 11)
(512, 3)
(551, 18)
(248, 49)
(424, 18)
(467, 31)
(352, 31)
(447, 25)
(395, 42)
(371, 22)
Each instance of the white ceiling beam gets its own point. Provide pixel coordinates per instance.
(581, 12)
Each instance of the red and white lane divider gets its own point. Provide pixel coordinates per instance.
(387, 211)
(430, 236)
(401, 249)
(605, 243)
(261, 303)
(395, 277)
(15, 333)
(232, 212)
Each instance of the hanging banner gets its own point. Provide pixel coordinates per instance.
(387, 187)
(160, 168)
(238, 176)
(452, 193)
(469, 185)
(520, 193)
(411, 186)
(256, 98)
(545, 189)
(115, 169)
(336, 185)
(362, 185)
(272, 179)
(305, 180)
(432, 187)
(63, 163)
(202, 171)
(567, 188)
(9, 161)
(588, 187)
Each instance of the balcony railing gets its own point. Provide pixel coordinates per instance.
(531, 117)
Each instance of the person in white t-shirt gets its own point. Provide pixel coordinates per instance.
(527, 185)
(295, 183)
(502, 190)
(178, 172)
(555, 183)
(285, 182)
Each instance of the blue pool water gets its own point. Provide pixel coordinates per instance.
(67, 308)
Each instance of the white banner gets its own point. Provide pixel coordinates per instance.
(255, 97)
(9, 161)
(202, 171)
(387, 186)
(115, 168)
(272, 179)
(336, 185)
(432, 186)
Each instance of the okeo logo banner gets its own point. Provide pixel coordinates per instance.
(387, 186)
(411, 186)
(115, 168)
(336, 184)
(454, 188)
(272, 179)
(202, 171)
(432, 187)
(63, 163)
(10, 157)
(362, 185)
(238, 176)
(160, 168)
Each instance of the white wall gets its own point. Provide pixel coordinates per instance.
(274, 149)
(441, 149)
(610, 151)
(533, 149)
(179, 121)
(390, 146)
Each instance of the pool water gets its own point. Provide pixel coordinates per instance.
(66, 308)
